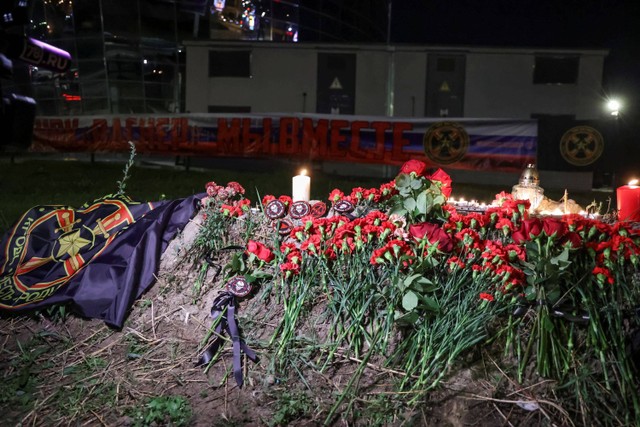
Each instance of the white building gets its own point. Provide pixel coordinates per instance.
(402, 81)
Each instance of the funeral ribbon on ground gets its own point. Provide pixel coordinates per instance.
(223, 313)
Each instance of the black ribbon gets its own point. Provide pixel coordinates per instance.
(223, 312)
(211, 263)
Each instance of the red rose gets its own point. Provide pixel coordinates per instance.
(554, 226)
(529, 228)
(259, 250)
(572, 238)
(417, 167)
(433, 233)
(444, 179)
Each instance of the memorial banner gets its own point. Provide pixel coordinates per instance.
(483, 144)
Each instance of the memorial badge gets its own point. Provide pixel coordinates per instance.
(238, 286)
(283, 226)
(343, 207)
(275, 209)
(299, 209)
(318, 209)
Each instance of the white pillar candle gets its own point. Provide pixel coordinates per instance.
(301, 187)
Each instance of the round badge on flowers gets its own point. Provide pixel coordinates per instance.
(238, 286)
(318, 209)
(283, 226)
(275, 209)
(299, 209)
(343, 207)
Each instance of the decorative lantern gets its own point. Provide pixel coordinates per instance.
(528, 188)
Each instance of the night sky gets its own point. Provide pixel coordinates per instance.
(608, 24)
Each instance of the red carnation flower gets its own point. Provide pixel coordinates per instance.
(486, 297)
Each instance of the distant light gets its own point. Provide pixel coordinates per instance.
(68, 97)
(614, 104)
(614, 107)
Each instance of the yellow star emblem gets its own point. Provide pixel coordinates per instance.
(71, 244)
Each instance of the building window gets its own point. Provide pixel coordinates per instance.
(336, 62)
(446, 65)
(229, 63)
(555, 70)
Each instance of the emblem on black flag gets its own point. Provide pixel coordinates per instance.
(446, 142)
(581, 145)
(50, 244)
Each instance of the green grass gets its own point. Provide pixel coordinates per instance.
(28, 182)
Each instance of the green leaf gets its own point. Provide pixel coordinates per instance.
(416, 184)
(439, 200)
(409, 280)
(421, 203)
(410, 204)
(407, 319)
(547, 325)
(561, 258)
(262, 274)
(530, 291)
(398, 210)
(403, 180)
(430, 303)
(419, 283)
(405, 192)
(237, 264)
(409, 301)
(553, 296)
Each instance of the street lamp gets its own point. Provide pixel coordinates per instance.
(614, 107)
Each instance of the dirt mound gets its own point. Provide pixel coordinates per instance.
(81, 372)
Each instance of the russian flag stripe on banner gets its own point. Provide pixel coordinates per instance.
(495, 144)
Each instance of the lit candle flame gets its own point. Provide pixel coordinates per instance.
(633, 182)
(303, 172)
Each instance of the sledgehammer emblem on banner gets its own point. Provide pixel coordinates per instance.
(581, 145)
(445, 142)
